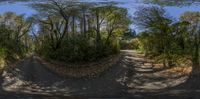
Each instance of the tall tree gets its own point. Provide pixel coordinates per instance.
(77, 29)
(162, 37)
(194, 34)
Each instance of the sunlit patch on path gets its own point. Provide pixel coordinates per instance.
(129, 75)
(142, 76)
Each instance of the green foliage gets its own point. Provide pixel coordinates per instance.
(72, 34)
(193, 34)
(2, 58)
(129, 44)
(79, 49)
(13, 30)
(129, 40)
(163, 39)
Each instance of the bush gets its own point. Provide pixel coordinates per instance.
(129, 43)
(2, 58)
(80, 49)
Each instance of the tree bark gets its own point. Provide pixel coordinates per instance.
(84, 23)
(98, 36)
(73, 26)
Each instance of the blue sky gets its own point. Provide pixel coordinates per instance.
(19, 8)
(22, 8)
(174, 11)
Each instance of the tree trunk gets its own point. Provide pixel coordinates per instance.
(98, 36)
(196, 51)
(84, 23)
(73, 32)
(73, 26)
(195, 60)
(81, 28)
(89, 28)
(164, 63)
(109, 35)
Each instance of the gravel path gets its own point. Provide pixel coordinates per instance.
(131, 75)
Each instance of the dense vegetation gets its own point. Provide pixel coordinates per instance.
(71, 48)
(71, 31)
(13, 36)
(166, 39)
(78, 31)
(129, 40)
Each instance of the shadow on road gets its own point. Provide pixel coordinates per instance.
(132, 76)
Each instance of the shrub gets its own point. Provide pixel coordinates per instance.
(2, 58)
(80, 49)
(129, 43)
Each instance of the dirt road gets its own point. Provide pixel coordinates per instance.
(127, 78)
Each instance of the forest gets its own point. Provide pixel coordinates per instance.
(166, 39)
(90, 49)
(80, 32)
(15, 40)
